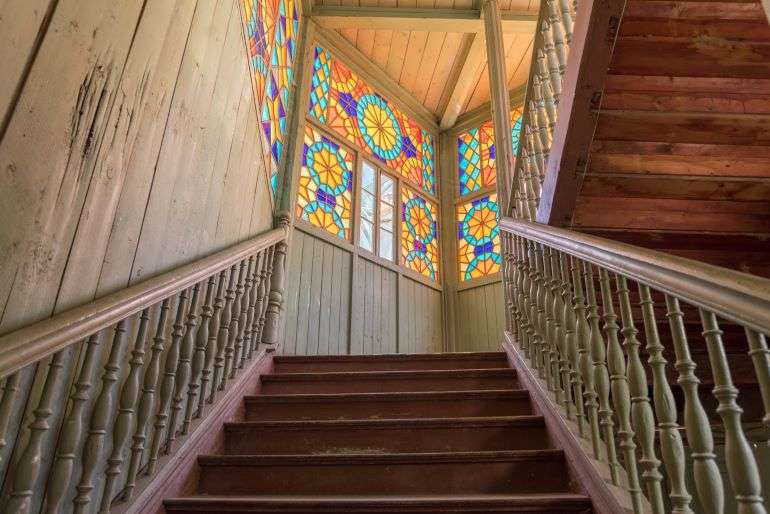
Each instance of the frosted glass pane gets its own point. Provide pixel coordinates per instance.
(367, 178)
(367, 241)
(386, 244)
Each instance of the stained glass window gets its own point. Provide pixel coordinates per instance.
(343, 101)
(478, 235)
(325, 184)
(476, 155)
(271, 28)
(478, 248)
(419, 234)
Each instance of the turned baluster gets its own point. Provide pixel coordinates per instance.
(267, 279)
(760, 356)
(167, 386)
(541, 324)
(201, 340)
(549, 71)
(557, 36)
(276, 271)
(220, 366)
(573, 312)
(235, 310)
(708, 479)
(27, 470)
(530, 183)
(71, 430)
(533, 142)
(539, 138)
(147, 401)
(252, 314)
(544, 121)
(585, 361)
(550, 106)
(261, 299)
(621, 396)
(557, 334)
(236, 325)
(127, 404)
(100, 418)
(524, 303)
(533, 317)
(641, 411)
(567, 336)
(550, 355)
(566, 19)
(182, 379)
(601, 375)
(671, 448)
(741, 464)
(242, 343)
(509, 278)
(215, 353)
(10, 392)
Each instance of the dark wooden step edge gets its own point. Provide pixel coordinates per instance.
(381, 458)
(374, 424)
(398, 357)
(481, 394)
(392, 375)
(375, 504)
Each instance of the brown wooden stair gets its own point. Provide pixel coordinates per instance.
(380, 434)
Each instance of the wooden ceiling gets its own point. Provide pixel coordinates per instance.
(443, 70)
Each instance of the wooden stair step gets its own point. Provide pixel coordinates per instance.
(726, 29)
(389, 381)
(501, 472)
(388, 405)
(387, 435)
(749, 10)
(551, 503)
(389, 362)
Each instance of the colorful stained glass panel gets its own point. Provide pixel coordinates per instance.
(325, 184)
(419, 234)
(342, 100)
(271, 30)
(478, 237)
(476, 155)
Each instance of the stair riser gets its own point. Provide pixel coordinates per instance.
(241, 441)
(526, 476)
(573, 507)
(379, 385)
(374, 365)
(400, 409)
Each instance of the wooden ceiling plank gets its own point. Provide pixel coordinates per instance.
(417, 19)
(429, 62)
(469, 63)
(446, 60)
(376, 76)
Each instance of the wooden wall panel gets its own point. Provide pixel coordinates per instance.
(481, 319)
(341, 303)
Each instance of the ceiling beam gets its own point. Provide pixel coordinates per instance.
(377, 77)
(417, 19)
(467, 67)
(483, 113)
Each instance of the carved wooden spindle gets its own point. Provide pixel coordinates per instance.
(562, 386)
(641, 410)
(524, 302)
(708, 479)
(71, 430)
(232, 327)
(550, 353)
(566, 19)
(536, 340)
(540, 140)
(265, 289)
(128, 400)
(567, 337)
(540, 318)
(573, 351)
(551, 107)
(147, 400)
(276, 272)
(671, 447)
(167, 386)
(549, 71)
(741, 464)
(223, 337)
(557, 35)
(236, 326)
(215, 356)
(196, 387)
(100, 418)
(252, 314)
(27, 471)
(601, 375)
(585, 361)
(508, 287)
(242, 343)
(183, 370)
(760, 356)
(621, 396)
(7, 404)
(529, 181)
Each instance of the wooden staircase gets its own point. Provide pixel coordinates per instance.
(390, 433)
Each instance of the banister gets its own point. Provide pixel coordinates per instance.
(35, 342)
(733, 295)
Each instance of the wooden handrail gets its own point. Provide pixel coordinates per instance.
(44, 338)
(733, 295)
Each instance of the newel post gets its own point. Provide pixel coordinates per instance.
(276, 273)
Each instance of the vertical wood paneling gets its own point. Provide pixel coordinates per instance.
(480, 322)
(328, 314)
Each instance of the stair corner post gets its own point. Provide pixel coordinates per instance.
(276, 275)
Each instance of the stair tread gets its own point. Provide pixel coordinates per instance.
(381, 458)
(385, 375)
(462, 422)
(390, 396)
(392, 356)
(385, 500)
